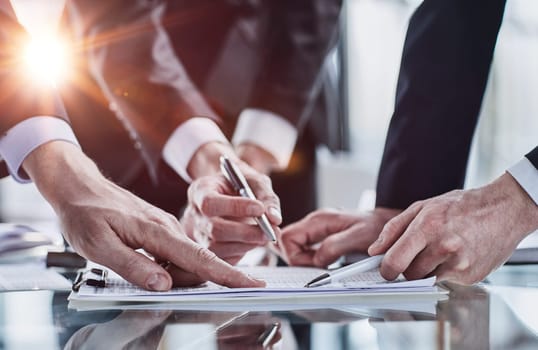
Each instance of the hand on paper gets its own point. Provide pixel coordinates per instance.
(325, 235)
(106, 224)
(459, 236)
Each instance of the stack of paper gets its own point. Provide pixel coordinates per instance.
(284, 285)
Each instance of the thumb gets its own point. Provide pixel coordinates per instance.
(138, 269)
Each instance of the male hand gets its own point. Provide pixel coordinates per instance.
(218, 218)
(459, 236)
(325, 235)
(106, 224)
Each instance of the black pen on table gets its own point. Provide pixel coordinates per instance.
(236, 178)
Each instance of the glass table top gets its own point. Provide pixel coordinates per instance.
(501, 313)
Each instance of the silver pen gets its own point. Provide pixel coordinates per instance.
(346, 271)
(236, 178)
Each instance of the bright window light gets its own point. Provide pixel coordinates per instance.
(46, 59)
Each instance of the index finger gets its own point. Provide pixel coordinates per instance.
(403, 252)
(210, 198)
(394, 228)
(192, 257)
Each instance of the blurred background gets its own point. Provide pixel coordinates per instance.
(373, 34)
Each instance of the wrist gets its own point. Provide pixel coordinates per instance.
(257, 157)
(518, 203)
(62, 161)
(205, 160)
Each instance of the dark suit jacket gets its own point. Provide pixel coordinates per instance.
(255, 54)
(533, 157)
(162, 62)
(443, 75)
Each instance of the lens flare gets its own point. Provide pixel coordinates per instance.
(46, 60)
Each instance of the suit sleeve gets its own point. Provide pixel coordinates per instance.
(301, 34)
(131, 58)
(443, 75)
(532, 156)
(21, 97)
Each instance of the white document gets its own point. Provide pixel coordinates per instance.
(282, 283)
(31, 277)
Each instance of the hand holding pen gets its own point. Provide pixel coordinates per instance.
(236, 178)
(221, 219)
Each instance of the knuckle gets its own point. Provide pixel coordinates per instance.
(130, 267)
(463, 265)
(258, 179)
(450, 246)
(172, 219)
(391, 226)
(206, 205)
(427, 226)
(216, 229)
(430, 223)
(238, 207)
(318, 215)
(265, 180)
(193, 188)
(205, 256)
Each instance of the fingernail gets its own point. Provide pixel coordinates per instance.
(276, 214)
(157, 282)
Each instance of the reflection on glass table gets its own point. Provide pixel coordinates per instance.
(185, 330)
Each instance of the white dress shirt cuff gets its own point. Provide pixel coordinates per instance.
(19, 141)
(186, 140)
(269, 131)
(527, 176)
